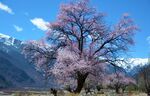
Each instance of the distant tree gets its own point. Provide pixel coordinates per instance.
(119, 81)
(89, 42)
(144, 77)
(53, 91)
(97, 79)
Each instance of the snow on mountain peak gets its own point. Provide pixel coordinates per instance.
(9, 40)
(139, 61)
(133, 62)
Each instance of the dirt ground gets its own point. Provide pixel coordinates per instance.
(61, 93)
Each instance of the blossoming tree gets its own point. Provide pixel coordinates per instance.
(118, 81)
(88, 42)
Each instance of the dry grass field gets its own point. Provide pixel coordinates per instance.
(65, 93)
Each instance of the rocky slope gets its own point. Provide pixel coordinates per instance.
(15, 70)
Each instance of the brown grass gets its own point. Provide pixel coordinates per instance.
(42, 93)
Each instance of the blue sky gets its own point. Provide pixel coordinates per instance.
(25, 19)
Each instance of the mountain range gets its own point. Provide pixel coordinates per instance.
(17, 72)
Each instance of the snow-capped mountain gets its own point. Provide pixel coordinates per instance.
(136, 65)
(9, 40)
(130, 63)
(15, 70)
(138, 61)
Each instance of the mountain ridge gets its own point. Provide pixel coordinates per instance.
(12, 61)
(10, 52)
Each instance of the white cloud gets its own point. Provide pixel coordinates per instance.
(40, 23)
(148, 39)
(18, 29)
(6, 8)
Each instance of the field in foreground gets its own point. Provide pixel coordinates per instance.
(65, 93)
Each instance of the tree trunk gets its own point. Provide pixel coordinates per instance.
(117, 90)
(54, 91)
(80, 81)
(123, 89)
